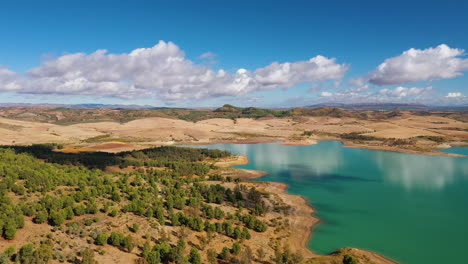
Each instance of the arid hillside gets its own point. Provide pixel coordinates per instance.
(105, 129)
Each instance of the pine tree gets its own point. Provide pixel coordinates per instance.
(9, 230)
(194, 256)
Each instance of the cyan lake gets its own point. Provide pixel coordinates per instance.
(411, 208)
(456, 150)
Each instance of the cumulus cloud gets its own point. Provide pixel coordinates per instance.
(278, 75)
(404, 91)
(161, 71)
(441, 62)
(326, 94)
(7, 79)
(398, 94)
(454, 95)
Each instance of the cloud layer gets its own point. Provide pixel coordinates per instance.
(162, 72)
(398, 94)
(441, 62)
(454, 95)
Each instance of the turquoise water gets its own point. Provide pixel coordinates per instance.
(412, 208)
(457, 150)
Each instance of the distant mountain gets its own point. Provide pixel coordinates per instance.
(457, 108)
(234, 109)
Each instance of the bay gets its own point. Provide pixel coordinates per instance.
(411, 208)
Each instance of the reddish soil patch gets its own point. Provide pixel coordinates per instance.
(110, 146)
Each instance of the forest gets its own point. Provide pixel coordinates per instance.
(169, 186)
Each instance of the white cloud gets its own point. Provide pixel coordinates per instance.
(361, 81)
(279, 75)
(454, 95)
(8, 79)
(161, 71)
(360, 89)
(398, 94)
(404, 92)
(208, 55)
(326, 94)
(441, 62)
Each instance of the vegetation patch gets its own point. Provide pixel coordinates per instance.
(70, 193)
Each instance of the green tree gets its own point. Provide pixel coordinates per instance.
(115, 239)
(348, 259)
(68, 213)
(4, 259)
(115, 196)
(56, 218)
(101, 239)
(25, 253)
(194, 256)
(112, 213)
(41, 217)
(88, 257)
(128, 243)
(9, 230)
(236, 248)
(10, 251)
(225, 253)
(154, 257)
(79, 210)
(246, 234)
(44, 253)
(135, 227)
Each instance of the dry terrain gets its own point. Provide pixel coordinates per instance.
(401, 131)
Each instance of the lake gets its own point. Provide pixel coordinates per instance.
(412, 208)
(456, 150)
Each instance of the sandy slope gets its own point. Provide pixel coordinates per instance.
(23, 132)
(155, 131)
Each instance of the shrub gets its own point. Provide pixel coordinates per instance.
(348, 259)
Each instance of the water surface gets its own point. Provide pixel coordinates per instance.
(412, 208)
(456, 150)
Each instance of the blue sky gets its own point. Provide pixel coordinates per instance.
(38, 37)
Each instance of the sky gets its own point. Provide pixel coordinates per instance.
(246, 53)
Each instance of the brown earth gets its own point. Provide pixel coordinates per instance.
(155, 131)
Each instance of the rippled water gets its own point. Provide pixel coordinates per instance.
(412, 208)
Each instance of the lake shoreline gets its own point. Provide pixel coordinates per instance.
(306, 142)
(302, 219)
